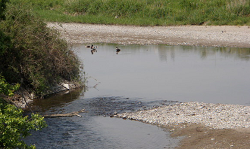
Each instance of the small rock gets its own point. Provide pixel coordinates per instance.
(65, 85)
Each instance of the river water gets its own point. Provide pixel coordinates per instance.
(140, 77)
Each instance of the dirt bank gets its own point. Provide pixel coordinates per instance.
(226, 36)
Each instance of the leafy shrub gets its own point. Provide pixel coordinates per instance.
(37, 57)
(2, 9)
(13, 126)
(5, 43)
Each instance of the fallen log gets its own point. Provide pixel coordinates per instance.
(65, 115)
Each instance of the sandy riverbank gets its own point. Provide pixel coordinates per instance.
(226, 36)
(198, 133)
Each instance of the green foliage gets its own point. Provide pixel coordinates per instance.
(5, 43)
(6, 88)
(40, 4)
(34, 53)
(13, 125)
(2, 8)
(146, 12)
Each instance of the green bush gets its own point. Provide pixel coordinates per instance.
(13, 125)
(2, 9)
(36, 56)
(5, 43)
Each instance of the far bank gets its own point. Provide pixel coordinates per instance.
(216, 36)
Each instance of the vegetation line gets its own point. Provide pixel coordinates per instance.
(144, 12)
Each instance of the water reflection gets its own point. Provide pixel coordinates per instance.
(56, 100)
(180, 73)
(140, 77)
(95, 129)
(204, 52)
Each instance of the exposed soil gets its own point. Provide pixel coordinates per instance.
(201, 137)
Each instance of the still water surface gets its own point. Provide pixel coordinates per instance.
(179, 73)
(140, 77)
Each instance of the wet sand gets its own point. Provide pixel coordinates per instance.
(198, 135)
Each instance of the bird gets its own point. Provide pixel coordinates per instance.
(90, 46)
(117, 50)
(93, 49)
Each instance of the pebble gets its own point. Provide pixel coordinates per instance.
(217, 116)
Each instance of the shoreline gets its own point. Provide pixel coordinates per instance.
(216, 116)
(198, 135)
(215, 36)
(22, 97)
(204, 125)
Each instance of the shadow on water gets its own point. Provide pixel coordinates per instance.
(56, 100)
(95, 129)
(137, 78)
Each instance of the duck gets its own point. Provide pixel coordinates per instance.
(90, 46)
(93, 49)
(117, 50)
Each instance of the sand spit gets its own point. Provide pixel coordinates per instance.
(218, 116)
(204, 125)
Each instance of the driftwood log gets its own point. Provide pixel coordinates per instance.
(65, 115)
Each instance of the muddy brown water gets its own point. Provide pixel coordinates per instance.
(140, 77)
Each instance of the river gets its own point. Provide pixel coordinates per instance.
(140, 77)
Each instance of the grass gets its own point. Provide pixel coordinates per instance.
(144, 12)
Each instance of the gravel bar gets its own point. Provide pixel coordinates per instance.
(217, 116)
(218, 36)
